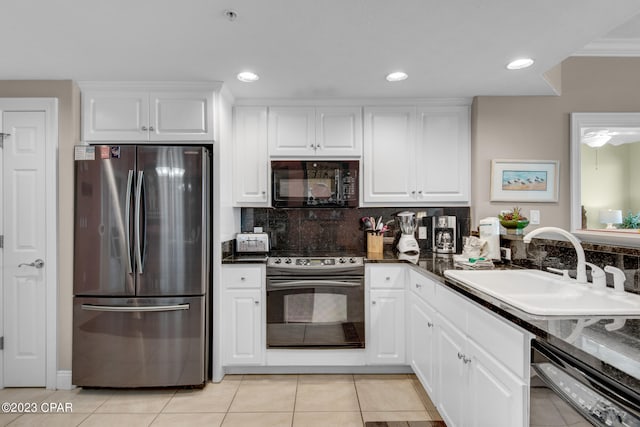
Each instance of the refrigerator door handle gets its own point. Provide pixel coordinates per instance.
(127, 214)
(131, 309)
(138, 219)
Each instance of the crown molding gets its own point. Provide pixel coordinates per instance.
(611, 47)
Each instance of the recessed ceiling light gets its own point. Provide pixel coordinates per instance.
(397, 76)
(520, 63)
(248, 77)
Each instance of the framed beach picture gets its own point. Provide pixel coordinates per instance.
(524, 180)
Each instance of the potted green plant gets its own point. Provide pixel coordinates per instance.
(631, 221)
(514, 221)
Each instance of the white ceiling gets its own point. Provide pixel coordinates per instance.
(313, 48)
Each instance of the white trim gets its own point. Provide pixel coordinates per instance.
(63, 381)
(417, 102)
(579, 120)
(50, 108)
(621, 47)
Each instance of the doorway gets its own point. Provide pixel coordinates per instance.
(28, 256)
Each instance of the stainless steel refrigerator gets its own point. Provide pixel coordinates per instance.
(141, 266)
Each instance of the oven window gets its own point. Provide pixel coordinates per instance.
(301, 316)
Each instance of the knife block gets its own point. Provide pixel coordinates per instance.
(374, 243)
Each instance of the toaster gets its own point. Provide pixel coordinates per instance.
(252, 242)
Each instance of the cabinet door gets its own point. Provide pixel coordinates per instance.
(242, 334)
(250, 157)
(443, 143)
(292, 131)
(389, 170)
(452, 376)
(422, 341)
(386, 344)
(496, 397)
(339, 131)
(112, 115)
(181, 116)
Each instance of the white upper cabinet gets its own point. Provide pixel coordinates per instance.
(125, 112)
(442, 154)
(292, 131)
(250, 157)
(389, 154)
(416, 155)
(339, 131)
(309, 131)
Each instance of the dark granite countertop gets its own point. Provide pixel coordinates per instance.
(615, 353)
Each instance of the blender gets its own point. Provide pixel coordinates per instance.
(407, 223)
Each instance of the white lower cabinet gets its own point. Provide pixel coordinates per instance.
(473, 365)
(386, 314)
(452, 381)
(386, 339)
(422, 343)
(242, 314)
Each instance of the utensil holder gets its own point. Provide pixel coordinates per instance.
(374, 243)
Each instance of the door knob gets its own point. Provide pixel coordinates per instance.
(37, 264)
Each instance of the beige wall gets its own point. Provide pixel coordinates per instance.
(530, 127)
(68, 96)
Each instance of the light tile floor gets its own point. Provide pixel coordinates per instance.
(239, 400)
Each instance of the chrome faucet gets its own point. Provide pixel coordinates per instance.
(582, 266)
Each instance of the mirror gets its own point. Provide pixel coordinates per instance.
(605, 177)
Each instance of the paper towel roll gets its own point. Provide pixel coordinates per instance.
(490, 231)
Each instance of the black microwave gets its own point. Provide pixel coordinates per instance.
(317, 184)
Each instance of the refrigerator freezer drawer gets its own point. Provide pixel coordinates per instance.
(139, 342)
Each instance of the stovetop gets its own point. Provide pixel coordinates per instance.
(315, 262)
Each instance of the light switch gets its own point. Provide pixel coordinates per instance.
(422, 232)
(534, 216)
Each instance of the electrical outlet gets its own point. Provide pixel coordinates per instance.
(534, 216)
(422, 232)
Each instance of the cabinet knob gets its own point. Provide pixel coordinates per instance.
(387, 278)
(264, 192)
(418, 286)
(151, 128)
(413, 192)
(243, 279)
(256, 302)
(420, 192)
(429, 324)
(373, 302)
(144, 128)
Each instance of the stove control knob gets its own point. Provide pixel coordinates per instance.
(342, 260)
(277, 261)
(352, 260)
(287, 261)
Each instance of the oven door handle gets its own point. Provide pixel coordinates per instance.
(312, 283)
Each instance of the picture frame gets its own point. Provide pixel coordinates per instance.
(524, 180)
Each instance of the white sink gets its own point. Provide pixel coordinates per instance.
(541, 293)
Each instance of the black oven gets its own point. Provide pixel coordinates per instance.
(315, 306)
(314, 183)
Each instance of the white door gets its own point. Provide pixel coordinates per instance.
(292, 131)
(386, 344)
(339, 131)
(24, 226)
(389, 169)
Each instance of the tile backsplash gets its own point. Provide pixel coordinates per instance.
(314, 231)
